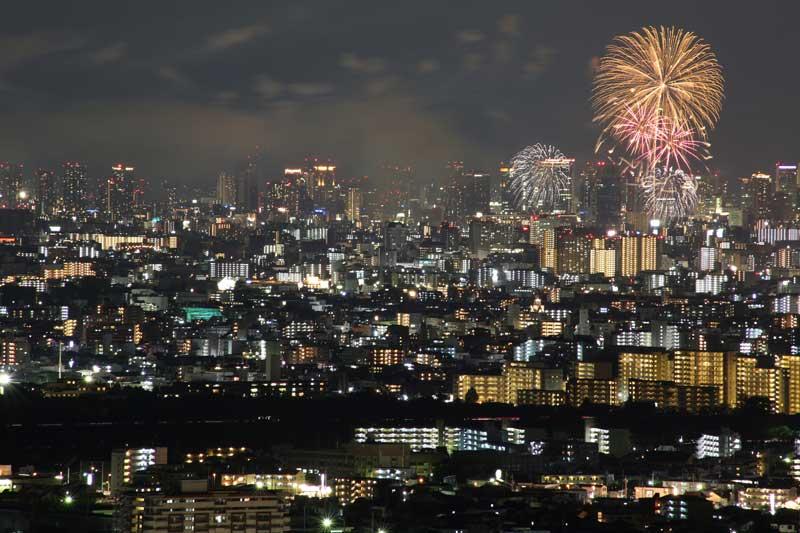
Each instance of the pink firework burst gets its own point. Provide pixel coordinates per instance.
(654, 139)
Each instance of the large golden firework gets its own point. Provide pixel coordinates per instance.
(668, 72)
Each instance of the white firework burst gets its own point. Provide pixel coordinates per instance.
(669, 193)
(539, 173)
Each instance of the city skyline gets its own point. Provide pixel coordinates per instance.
(185, 101)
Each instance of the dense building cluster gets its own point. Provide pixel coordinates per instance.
(511, 366)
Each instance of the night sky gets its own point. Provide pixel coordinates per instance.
(186, 89)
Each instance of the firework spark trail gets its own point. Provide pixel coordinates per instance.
(669, 193)
(538, 174)
(676, 145)
(666, 71)
(655, 140)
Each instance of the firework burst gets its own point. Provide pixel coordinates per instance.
(538, 174)
(654, 140)
(667, 72)
(669, 193)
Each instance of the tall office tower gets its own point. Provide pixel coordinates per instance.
(455, 194)
(247, 185)
(10, 184)
(501, 188)
(573, 249)
(74, 188)
(226, 189)
(787, 177)
(759, 193)
(353, 209)
(477, 192)
(395, 235)
(120, 192)
(600, 196)
(786, 200)
(701, 369)
(45, 192)
(567, 199)
(291, 196)
(170, 194)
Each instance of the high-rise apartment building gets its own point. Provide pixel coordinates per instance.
(73, 198)
(45, 192)
(602, 260)
(639, 253)
(759, 379)
(226, 189)
(353, 208)
(700, 368)
(648, 366)
(11, 179)
(121, 192)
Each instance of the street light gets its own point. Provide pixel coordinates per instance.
(327, 523)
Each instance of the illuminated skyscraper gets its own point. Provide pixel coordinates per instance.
(477, 193)
(10, 184)
(600, 193)
(567, 200)
(629, 256)
(501, 189)
(759, 193)
(120, 192)
(74, 182)
(45, 192)
(226, 189)
(787, 177)
(573, 251)
(247, 179)
(602, 260)
(353, 208)
(650, 252)
(639, 253)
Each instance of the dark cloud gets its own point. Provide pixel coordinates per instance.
(174, 76)
(189, 87)
(109, 54)
(236, 36)
(470, 36)
(17, 50)
(366, 65)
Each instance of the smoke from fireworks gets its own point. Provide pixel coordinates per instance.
(538, 174)
(665, 71)
(669, 193)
